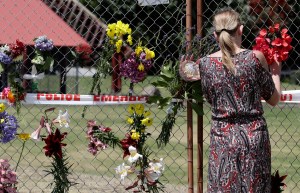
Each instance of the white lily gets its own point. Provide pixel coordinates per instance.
(122, 170)
(155, 170)
(36, 134)
(63, 119)
(134, 156)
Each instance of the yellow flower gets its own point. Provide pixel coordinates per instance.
(2, 107)
(24, 136)
(130, 121)
(135, 136)
(129, 39)
(138, 50)
(147, 113)
(131, 109)
(139, 109)
(149, 54)
(119, 44)
(111, 30)
(147, 121)
(122, 28)
(141, 67)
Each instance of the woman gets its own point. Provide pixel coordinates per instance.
(234, 80)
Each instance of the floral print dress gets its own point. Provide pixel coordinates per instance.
(240, 152)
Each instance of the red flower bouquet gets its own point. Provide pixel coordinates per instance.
(83, 54)
(274, 43)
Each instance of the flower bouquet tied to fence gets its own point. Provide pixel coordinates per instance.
(11, 59)
(137, 65)
(146, 171)
(43, 59)
(8, 125)
(60, 168)
(274, 43)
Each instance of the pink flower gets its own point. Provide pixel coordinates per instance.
(5, 91)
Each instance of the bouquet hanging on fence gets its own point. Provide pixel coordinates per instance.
(179, 90)
(137, 65)
(134, 146)
(274, 43)
(43, 59)
(11, 59)
(8, 178)
(147, 171)
(60, 168)
(119, 35)
(8, 125)
(82, 54)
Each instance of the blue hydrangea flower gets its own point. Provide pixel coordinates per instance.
(8, 127)
(5, 59)
(42, 43)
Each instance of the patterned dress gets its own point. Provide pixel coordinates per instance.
(240, 152)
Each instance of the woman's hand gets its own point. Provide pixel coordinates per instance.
(188, 69)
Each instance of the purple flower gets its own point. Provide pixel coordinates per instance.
(96, 145)
(8, 127)
(5, 59)
(130, 67)
(42, 43)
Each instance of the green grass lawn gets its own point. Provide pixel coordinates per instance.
(283, 122)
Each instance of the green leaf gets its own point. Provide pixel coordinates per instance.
(153, 99)
(166, 78)
(160, 83)
(197, 108)
(1, 68)
(49, 63)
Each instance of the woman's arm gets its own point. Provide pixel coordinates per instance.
(189, 70)
(275, 70)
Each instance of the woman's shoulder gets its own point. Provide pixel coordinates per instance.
(261, 58)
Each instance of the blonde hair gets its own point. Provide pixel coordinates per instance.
(226, 22)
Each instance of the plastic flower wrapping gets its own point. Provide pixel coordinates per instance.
(138, 64)
(8, 178)
(8, 125)
(274, 43)
(43, 59)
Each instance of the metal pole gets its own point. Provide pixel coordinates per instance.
(189, 107)
(199, 117)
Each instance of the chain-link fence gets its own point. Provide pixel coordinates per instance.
(162, 28)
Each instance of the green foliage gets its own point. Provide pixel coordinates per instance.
(60, 170)
(107, 138)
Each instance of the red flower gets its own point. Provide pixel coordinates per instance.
(53, 144)
(275, 45)
(84, 51)
(17, 49)
(276, 182)
(126, 142)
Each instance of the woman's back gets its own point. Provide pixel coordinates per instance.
(235, 95)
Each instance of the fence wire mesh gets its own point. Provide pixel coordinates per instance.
(160, 27)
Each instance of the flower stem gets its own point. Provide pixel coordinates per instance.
(20, 155)
(131, 89)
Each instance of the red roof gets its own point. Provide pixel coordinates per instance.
(28, 19)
